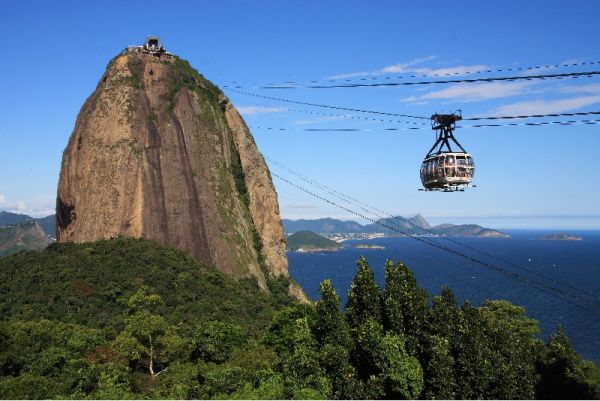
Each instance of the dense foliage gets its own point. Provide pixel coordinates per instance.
(126, 318)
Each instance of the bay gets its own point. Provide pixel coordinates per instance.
(560, 268)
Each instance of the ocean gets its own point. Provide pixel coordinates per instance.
(546, 262)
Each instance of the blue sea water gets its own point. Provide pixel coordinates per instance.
(549, 263)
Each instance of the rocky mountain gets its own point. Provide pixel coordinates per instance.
(159, 152)
(47, 223)
(403, 223)
(23, 236)
(417, 224)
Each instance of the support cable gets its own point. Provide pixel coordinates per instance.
(549, 290)
(574, 75)
(291, 101)
(352, 129)
(438, 75)
(418, 230)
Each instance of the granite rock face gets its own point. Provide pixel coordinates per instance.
(159, 152)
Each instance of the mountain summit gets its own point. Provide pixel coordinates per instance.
(159, 152)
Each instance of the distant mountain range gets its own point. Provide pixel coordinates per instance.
(389, 226)
(24, 236)
(20, 232)
(47, 223)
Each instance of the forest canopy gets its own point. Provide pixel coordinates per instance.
(127, 318)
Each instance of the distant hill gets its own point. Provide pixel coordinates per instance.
(466, 230)
(561, 237)
(8, 218)
(404, 223)
(326, 225)
(27, 235)
(416, 224)
(48, 223)
(309, 241)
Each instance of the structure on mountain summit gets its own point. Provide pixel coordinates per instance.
(153, 45)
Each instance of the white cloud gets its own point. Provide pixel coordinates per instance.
(410, 67)
(591, 88)
(403, 67)
(43, 209)
(254, 110)
(546, 106)
(474, 92)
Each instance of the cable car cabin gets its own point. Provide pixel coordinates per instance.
(447, 171)
(443, 168)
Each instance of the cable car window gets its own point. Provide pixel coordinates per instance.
(462, 166)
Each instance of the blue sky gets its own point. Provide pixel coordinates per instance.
(546, 177)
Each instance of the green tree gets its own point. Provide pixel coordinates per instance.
(400, 374)
(365, 353)
(439, 374)
(28, 386)
(562, 372)
(364, 297)
(281, 331)
(114, 383)
(472, 357)
(179, 382)
(331, 326)
(405, 306)
(384, 365)
(215, 341)
(513, 349)
(333, 337)
(250, 368)
(444, 314)
(303, 374)
(147, 336)
(269, 388)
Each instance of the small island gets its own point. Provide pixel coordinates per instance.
(308, 241)
(561, 237)
(368, 246)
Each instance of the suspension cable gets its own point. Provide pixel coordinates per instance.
(418, 229)
(354, 129)
(550, 290)
(327, 106)
(447, 74)
(574, 75)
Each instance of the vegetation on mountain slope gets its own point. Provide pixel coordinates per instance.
(127, 318)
